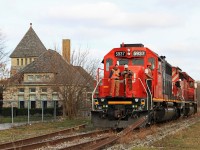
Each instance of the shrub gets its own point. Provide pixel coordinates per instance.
(24, 111)
(7, 111)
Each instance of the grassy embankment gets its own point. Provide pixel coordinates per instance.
(188, 139)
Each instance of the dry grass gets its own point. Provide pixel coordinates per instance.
(36, 129)
(186, 139)
(147, 131)
(138, 134)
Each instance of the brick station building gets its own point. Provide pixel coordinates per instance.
(33, 68)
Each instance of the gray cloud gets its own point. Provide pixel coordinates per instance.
(168, 27)
(109, 15)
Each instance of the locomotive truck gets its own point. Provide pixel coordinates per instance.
(156, 98)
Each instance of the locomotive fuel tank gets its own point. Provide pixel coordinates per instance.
(189, 111)
(164, 114)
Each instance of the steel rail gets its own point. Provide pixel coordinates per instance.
(84, 144)
(114, 138)
(45, 140)
(10, 145)
(55, 141)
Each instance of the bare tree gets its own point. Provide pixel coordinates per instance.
(78, 82)
(4, 72)
(72, 81)
(85, 60)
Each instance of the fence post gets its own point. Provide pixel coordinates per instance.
(54, 110)
(28, 112)
(42, 110)
(12, 112)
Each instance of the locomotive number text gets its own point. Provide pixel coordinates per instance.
(118, 54)
(139, 53)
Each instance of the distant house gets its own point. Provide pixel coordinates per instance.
(37, 74)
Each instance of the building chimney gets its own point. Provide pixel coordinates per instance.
(66, 49)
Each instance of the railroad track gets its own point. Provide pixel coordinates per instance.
(147, 136)
(104, 140)
(114, 138)
(15, 144)
(91, 140)
(54, 140)
(57, 142)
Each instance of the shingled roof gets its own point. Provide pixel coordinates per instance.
(52, 62)
(49, 62)
(90, 80)
(29, 46)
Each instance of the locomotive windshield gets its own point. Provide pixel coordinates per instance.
(135, 61)
(123, 61)
(138, 61)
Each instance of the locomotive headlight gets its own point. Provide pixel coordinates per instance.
(99, 107)
(136, 100)
(128, 50)
(96, 103)
(128, 53)
(143, 102)
(102, 100)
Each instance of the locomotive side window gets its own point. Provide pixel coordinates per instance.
(191, 84)
(159, 67)
(109, 62)
(152, 61)
(138, 61)
(123, 61)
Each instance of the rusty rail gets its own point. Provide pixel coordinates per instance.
(45, 140)
(84, 144)
(114, 138)
(55, 141)
(14, 144)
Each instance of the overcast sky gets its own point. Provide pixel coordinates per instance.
(168, 27)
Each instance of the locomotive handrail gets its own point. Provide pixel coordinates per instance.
(94, 93)
(145, 91)
(98, 70)
(149, 92)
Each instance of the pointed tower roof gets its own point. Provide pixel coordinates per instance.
(29, 46)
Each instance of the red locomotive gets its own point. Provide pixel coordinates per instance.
(154, 88)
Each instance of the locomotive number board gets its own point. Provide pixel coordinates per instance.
(134, 53)
(139, 53)
(120, 53)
